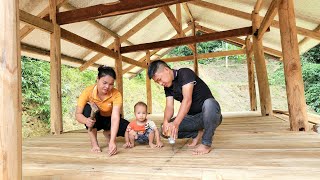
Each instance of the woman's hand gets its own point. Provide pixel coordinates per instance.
(112, 148)
(90, 122)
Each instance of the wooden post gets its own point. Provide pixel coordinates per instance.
(292, 67)
(10, 92)
(118, 68)
(148, 85)
(251, 78)
(55, 73)
(195, 53)
(261, 69)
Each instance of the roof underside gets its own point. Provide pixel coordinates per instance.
(160, 28)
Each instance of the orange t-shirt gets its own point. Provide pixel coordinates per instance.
(141, 129)
(90, 94)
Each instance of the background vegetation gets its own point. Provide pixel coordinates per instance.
(228, 84)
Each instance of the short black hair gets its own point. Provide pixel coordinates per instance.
(154, 66)
(140, 103)
(106, 70)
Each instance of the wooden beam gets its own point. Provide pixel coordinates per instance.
(268, 18)
(187, 10)
(307, 39)
(261, 70)
(44, 52)
(148, 85)
(126, 70)
(206, 55)
(292, 68)
(195, 53)
(166, 10)
(105, 10)
(55, 73)
(179, 17)
(73, 38)
(118, 69)
(10, 92)
(124, 37)
(267, 50)
(251, 78)
(27, 29)
(257, 6)
(247, 16)
(188, 40)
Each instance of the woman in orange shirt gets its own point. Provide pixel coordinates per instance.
(109, 101)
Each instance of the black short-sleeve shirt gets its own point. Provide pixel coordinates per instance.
(200, 93)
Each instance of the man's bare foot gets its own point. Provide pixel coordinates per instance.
(95, 149)
(201, 149)
(152, 145)
(196, 140)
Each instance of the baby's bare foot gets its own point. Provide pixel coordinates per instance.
(152, 145)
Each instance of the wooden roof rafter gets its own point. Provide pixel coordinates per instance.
(268, 18)
(73, 38)
(166, 10)
(107, 10)
(27, 29)
(247, 16)
(187, 10)
(155, 51)
(124, 37)
(267, 50)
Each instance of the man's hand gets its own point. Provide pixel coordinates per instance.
(90, 122)
(170, 129)
(112, 148)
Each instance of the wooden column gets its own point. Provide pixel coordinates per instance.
(10, 92)
(251, 78)
(118, 69)
(148, 85)
(55, 73)
(292, 67)
(195, 53)
(261, 69)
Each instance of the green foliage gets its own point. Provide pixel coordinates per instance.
(311, 78)
(36, 87)
(313, 55)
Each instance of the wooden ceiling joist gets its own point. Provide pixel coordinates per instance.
(124, 37)
(307, 39)
(44, 52)
(267, 50)
(188, 40)
(107, 10)
(268, 18)
(206, 55)
(73, 38)
(247, 16)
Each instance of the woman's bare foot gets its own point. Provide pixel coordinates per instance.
(95, 149)
(196, 140)
(107, 136)
(201, 149)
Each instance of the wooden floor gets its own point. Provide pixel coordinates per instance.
(244, 148)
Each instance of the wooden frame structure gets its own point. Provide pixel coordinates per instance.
(10, 75)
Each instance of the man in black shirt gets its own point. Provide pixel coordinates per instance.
(199, 111)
